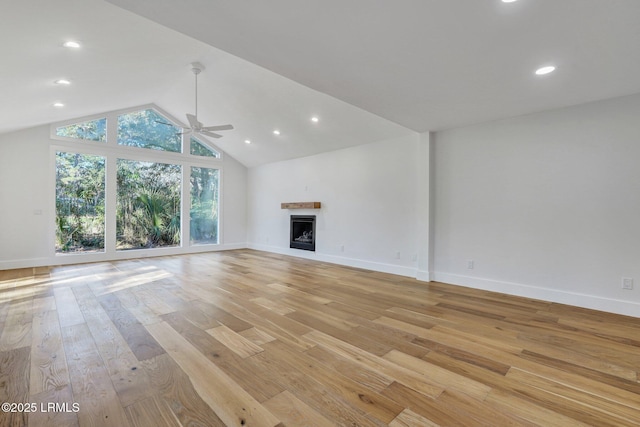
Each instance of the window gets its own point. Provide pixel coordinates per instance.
(148, 129)
(200, 149)
(80, 199)
(204, 205)
(132, 191)
(94, 130)
(148, 207)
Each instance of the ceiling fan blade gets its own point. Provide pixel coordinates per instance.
(193, 122)
(219, 127)
(211, 134)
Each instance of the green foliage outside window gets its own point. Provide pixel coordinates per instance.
(204, 205)
(148, 129)
(200, 149)
(148, 205)
(80, 196)
(94, 130)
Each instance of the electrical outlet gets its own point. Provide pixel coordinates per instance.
(627, 283)
(470, 264)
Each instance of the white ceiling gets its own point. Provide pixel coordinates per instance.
(371, 70)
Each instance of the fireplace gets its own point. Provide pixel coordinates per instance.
(303, 232)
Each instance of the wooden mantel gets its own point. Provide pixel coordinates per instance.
(300, 205)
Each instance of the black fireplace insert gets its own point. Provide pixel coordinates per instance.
(303, 232)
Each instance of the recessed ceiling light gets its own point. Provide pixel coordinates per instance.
(314, 119)
(508, 1)
(62, 82)
(246, 141)
(71, 44)
(545, 70)
(58, 104)
(276, 132)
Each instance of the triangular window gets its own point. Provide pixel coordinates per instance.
(149, 129)
(200, 149)
(93, 130)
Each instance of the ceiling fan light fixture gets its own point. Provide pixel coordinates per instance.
(196, 127)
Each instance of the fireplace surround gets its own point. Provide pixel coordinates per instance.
(303, 232)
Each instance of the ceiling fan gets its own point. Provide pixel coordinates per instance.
(196, 127)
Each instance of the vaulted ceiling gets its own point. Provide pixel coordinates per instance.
(370, 70)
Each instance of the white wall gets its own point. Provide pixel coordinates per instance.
(546, 205)
(368, 195)
(27, 238)
(24, 191)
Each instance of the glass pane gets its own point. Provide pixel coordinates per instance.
(200, 149)
(204, 205)
(94, 130)
(148, 205)
(79, 203)
(148, 129)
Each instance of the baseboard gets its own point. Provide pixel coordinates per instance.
(593, 302)
(332, 259)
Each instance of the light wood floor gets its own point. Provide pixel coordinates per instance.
(255, 339)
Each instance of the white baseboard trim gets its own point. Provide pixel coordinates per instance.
(593, 302)
(424, 276)
(332, 259)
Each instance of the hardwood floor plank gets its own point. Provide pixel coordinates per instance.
(371, 361)
(426, 407)
(257, 336)
(525, 409)
(273, 305)
(234, 341)
(294, 412)
(230, 402)
(138, 339)
(131, 302)
(177, 391)
(16, 332)
(151, 411)
(64, 415)
(369, 378)
(48, 360)
(311, 392)
(232, 364)
(92, 387)
(596, 410)
(443, 377)
(14, 384)
(358, 396)
(69, 313)
(408, 418)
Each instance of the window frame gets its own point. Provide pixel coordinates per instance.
(112, 151)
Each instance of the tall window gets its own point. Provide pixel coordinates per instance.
(144, 208)
(79, 202)
(204, 205)
(148, 214)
